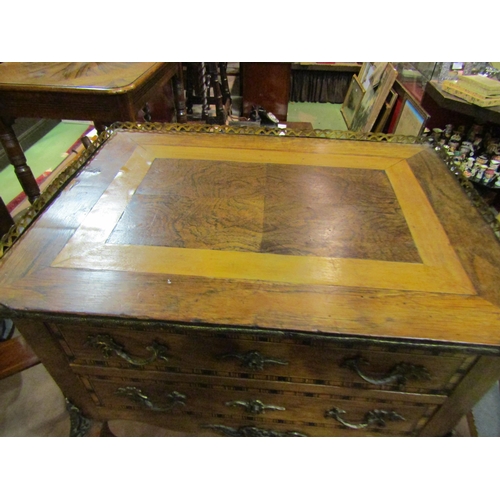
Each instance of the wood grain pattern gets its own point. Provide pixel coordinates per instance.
(282, 209)
(101, 76)
(304, 292)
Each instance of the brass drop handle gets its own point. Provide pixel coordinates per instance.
(254, 360)
(110, 347)
(255, 406)
(373, 417)
(398, 375)
(251, 431)
(136, 395)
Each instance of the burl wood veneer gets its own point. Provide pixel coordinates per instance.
(251, 285)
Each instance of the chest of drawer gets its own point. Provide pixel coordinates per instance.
(214, 400)
(262, 357)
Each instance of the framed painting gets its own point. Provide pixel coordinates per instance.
(352, 100)
(386, 111)
(377, 80)
(412, 118)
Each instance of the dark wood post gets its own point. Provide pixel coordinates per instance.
(6, 220)
(179, 97)
(16, 157)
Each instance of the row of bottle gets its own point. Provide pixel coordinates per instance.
(475, 154)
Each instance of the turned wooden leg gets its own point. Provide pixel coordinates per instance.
(147, 113)
(190, 86)
(203, 87)
(226, 92)
(100, 126)
(16, 156)
(216, 86)
(179, 97)
(86, 142)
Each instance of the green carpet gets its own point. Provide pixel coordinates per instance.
(46, 154)
(323, 116)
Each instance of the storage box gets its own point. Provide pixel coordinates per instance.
(486, 87)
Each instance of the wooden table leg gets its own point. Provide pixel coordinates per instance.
(179, 97)
(101, 127)
(6, 220)
(16, 156)
(216, 86)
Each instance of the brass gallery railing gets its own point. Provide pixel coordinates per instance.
(72, 170)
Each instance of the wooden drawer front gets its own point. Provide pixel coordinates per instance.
(216, 399)
(263, 358)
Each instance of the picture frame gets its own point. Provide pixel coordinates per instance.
(377, 80)
(352, 100)
(412, 118)
(386, 111)
(367, 69)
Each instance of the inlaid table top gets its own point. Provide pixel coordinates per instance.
(110, 77)
(287, 233)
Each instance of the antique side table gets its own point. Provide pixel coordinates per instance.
(101, 92)
(222, 281)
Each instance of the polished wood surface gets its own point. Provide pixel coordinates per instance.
(211, 265)
(266, 84)
(107, 77)
(410, 257)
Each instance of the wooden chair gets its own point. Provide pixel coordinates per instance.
(15, 354)
(207, 84)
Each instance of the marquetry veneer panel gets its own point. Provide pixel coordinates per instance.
(266, 208)
(226, 354)
(212, 399)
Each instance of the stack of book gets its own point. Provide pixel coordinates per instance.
(479, 90)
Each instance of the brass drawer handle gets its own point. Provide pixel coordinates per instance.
(398, 375)
(109, 347)
(254, 360)
(372, 417)
(136, 395)
(255, 406)
(251, 432)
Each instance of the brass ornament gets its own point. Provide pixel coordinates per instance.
(255, 407)
(79, 425)
(378, 418)
(251, 432)
(398, 375)
(109, 347)
(254, 360)
(264, 131)
(133, 393)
